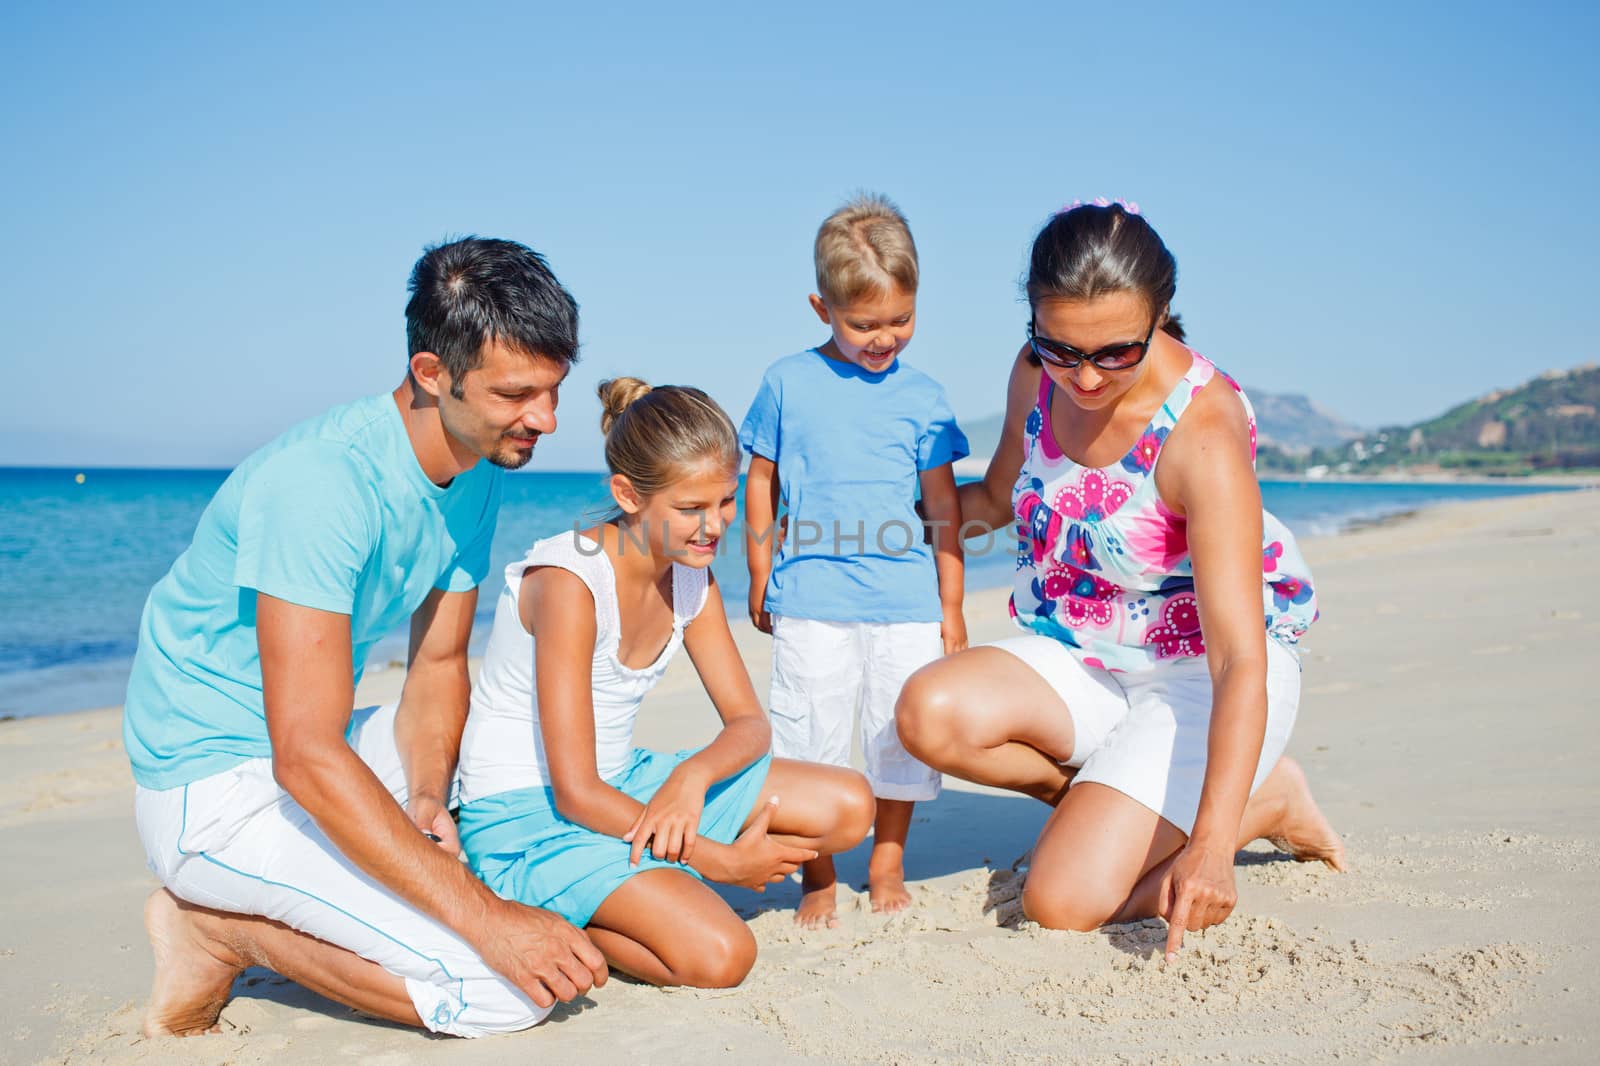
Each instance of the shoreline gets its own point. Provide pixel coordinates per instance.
(1352, 526)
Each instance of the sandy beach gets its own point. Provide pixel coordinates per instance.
(1446, 728)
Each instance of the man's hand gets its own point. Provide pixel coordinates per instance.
(428, 814)
(540, 952)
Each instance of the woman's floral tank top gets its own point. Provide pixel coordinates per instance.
(1103, 566)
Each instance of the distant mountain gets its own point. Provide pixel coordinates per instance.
(1550, 422)
(1296, 424)
(1557, 409)
(1289, 422)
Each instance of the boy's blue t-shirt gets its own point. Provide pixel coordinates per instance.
(335, 514)
(849, 445)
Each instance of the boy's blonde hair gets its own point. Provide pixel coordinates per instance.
(864, 249)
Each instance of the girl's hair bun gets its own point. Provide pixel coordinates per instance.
(615, 397)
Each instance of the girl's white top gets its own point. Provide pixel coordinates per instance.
(503, 747)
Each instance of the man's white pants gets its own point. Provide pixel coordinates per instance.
(823, 673)
(237, 842)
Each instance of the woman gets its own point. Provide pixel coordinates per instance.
(1149, 704)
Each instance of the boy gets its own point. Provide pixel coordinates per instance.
(843, 435)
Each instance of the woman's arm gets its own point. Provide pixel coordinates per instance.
(1205, 474)
(942, 512)
(986, 504)
(558, 609)
(760, 533)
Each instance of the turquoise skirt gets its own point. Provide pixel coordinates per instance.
(524, 850)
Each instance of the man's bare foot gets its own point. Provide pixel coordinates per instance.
(1301, 830)
(194, 975)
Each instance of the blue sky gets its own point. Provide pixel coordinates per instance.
(209, 212)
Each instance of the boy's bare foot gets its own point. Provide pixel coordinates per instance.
(888, 892)
(886, 878)
(1301, 830)
(886, 869)
(819, 899)
(194, 974)
(819, 908)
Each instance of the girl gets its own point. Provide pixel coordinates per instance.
(1160, 681)
(559, 810)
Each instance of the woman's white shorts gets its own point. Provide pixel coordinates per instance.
(1145, 733)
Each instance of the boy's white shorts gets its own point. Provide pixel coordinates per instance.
(237, 842)
(824, 672)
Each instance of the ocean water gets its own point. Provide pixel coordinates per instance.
(78, 558)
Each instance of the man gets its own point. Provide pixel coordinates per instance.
(288, 831)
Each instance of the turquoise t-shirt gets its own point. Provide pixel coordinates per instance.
(336, 514)
(849, 445)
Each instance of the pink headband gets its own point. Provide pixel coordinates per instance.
(1130, 206)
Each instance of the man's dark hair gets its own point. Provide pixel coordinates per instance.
(471, 291)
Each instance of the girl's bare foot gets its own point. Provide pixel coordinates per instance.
(1299, 827)
(819, 900)
(194, 974)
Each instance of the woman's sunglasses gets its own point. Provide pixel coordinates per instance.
(1112, 357)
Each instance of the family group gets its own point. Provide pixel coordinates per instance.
(485, 847)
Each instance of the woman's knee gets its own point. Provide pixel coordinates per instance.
(1067, 902)
(926, 716)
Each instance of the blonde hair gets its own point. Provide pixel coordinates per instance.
(655, 435)
(864, 248)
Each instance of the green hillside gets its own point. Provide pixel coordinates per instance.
(1549, 423)
(1555, 410)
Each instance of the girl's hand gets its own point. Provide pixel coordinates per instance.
(1198, 892)
(670, 822)
(953, 629)
(755, 860)
(428, 814)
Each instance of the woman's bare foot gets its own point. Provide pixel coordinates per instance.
(819, 900)
(194, 974)
(886, 880)
(1298, 826)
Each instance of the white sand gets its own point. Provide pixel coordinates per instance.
(1447, 729)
